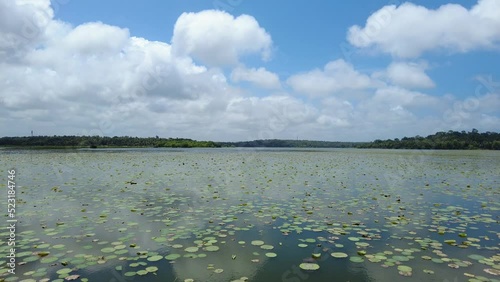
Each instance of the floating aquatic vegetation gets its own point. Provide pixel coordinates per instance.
(225, 206)
(309, 266)
(405, 270)
(356, 259)
(339, 255)
(211, 248)
(191, 249)
(267, 247)
(155, 258)
(257, 242)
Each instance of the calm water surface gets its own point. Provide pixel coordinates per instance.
(229, 214)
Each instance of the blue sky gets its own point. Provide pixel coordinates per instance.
(306, 35)
(242, 70)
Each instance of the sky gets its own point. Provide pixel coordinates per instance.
(235, 70)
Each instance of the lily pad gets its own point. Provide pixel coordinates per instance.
(339, 255)
(108, 250)
(191, 249)
(404, 268)
(64, 270)
(211, 248)
(309, 266)
(172, 256)
(154, 258)
(257, 242)
(356, 259)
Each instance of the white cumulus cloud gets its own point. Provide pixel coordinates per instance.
(409, 75)
(96, 78)
(22, 25)
(336, 76)
(260, 77)
(96, 38)
(217, 38)
(409, 30)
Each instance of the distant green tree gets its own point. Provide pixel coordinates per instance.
(450, 140)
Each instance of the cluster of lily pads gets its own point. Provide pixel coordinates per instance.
(148, 214)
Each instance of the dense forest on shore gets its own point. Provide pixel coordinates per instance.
(126, 141)
(290, 144)
(102, 142)
(450, 140)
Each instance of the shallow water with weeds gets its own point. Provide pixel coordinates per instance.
(255, 215)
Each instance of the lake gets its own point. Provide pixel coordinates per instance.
(253, 215)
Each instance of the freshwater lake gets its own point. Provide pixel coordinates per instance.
(253, 215)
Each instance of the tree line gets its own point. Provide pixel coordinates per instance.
(127, 141)
(102, 142)
(451, 140)
(290, 144)
(441, 140)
